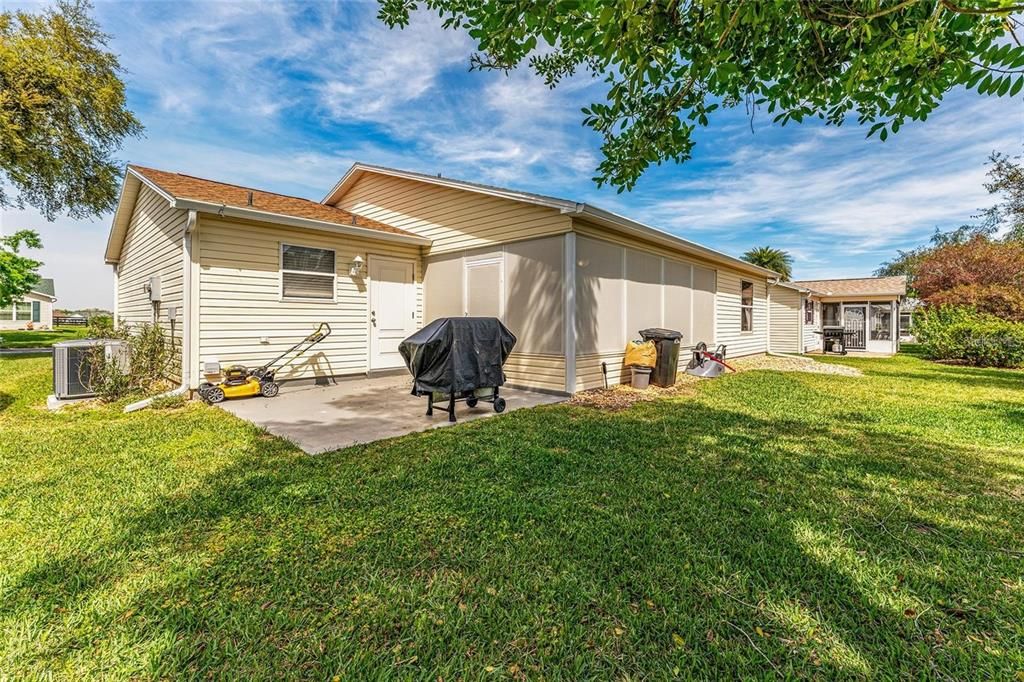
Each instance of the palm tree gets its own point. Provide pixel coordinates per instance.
(771, 258)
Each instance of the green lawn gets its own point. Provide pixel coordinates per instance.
(39, 338)
(796, 524)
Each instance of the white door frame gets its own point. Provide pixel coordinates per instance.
(882, 346)
(370, 259)
(468, 263)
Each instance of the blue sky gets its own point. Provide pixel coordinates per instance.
(285, 97)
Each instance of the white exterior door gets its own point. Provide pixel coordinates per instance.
(392, 309)
(881, 328)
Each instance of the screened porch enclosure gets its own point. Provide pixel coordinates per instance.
(870, 325)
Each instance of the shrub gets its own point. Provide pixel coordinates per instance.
(140, 367)
(963, 333)
(101, 321)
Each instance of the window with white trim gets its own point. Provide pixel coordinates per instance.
(23, 311)
(7, 313)
(307, 272)
(808, 311)
(746, 306)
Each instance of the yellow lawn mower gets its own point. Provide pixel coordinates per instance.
(239, 381)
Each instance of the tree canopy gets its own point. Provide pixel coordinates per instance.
(773, 259)
(671, 64)
(18, 274)
(62, 112)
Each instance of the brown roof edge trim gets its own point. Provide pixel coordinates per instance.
(296, 221)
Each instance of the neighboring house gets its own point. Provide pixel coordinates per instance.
(35, 308)
(248, 273)
(866, 307)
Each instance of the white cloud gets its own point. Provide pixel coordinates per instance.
(835, 193)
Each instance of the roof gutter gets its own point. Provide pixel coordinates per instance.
(293, 221)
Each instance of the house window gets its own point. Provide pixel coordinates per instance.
(23, 311)
(307, 272)
(7, 313)
(830, 314)
(746, 306)
(808, 311)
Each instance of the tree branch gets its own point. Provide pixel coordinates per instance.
(976, 10)
(992, 68)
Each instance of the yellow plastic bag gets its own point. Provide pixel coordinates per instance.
(641, 354)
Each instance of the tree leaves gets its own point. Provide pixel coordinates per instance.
(18, 274)
(667, 62)
(63, 113)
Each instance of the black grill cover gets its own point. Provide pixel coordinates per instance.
(457, 354)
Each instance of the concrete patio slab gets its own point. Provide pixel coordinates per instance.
(324, 418)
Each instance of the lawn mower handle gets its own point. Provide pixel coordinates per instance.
(316, 337)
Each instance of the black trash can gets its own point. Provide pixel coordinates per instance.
(667, 341)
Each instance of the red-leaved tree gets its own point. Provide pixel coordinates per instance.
(988, 275)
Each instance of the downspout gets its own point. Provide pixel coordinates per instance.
(186, 318)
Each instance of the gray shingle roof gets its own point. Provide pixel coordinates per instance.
(45, 286)
(859, 286)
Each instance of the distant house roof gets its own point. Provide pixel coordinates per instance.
(862, 286)
(45, 287)
(211, 196)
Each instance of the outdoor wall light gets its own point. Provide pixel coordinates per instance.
(357, 267)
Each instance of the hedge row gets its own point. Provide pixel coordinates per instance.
(962, 333)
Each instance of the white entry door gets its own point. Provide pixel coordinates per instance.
(392, 309)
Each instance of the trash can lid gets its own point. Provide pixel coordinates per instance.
(659, 333)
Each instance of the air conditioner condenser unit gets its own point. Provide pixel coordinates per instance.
(72, 365)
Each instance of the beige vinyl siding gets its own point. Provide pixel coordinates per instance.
(536, 371)
(812, 341)
(589, 375)
(727, 314)
(529, 291)
(621, 290)
(240, 298)
(786, 320)
(454, 219)
(152, 247)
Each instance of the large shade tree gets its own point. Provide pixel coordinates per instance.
(671, 64)
(63, 115)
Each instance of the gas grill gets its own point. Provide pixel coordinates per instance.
(833, 339)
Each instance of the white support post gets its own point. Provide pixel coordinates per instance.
(570, 312)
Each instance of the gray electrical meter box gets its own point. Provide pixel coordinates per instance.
(154, 288)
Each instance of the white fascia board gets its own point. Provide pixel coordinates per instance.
(294, 221)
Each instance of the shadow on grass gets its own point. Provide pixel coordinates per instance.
(561, 542)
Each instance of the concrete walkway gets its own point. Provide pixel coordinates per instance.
(324, 418)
